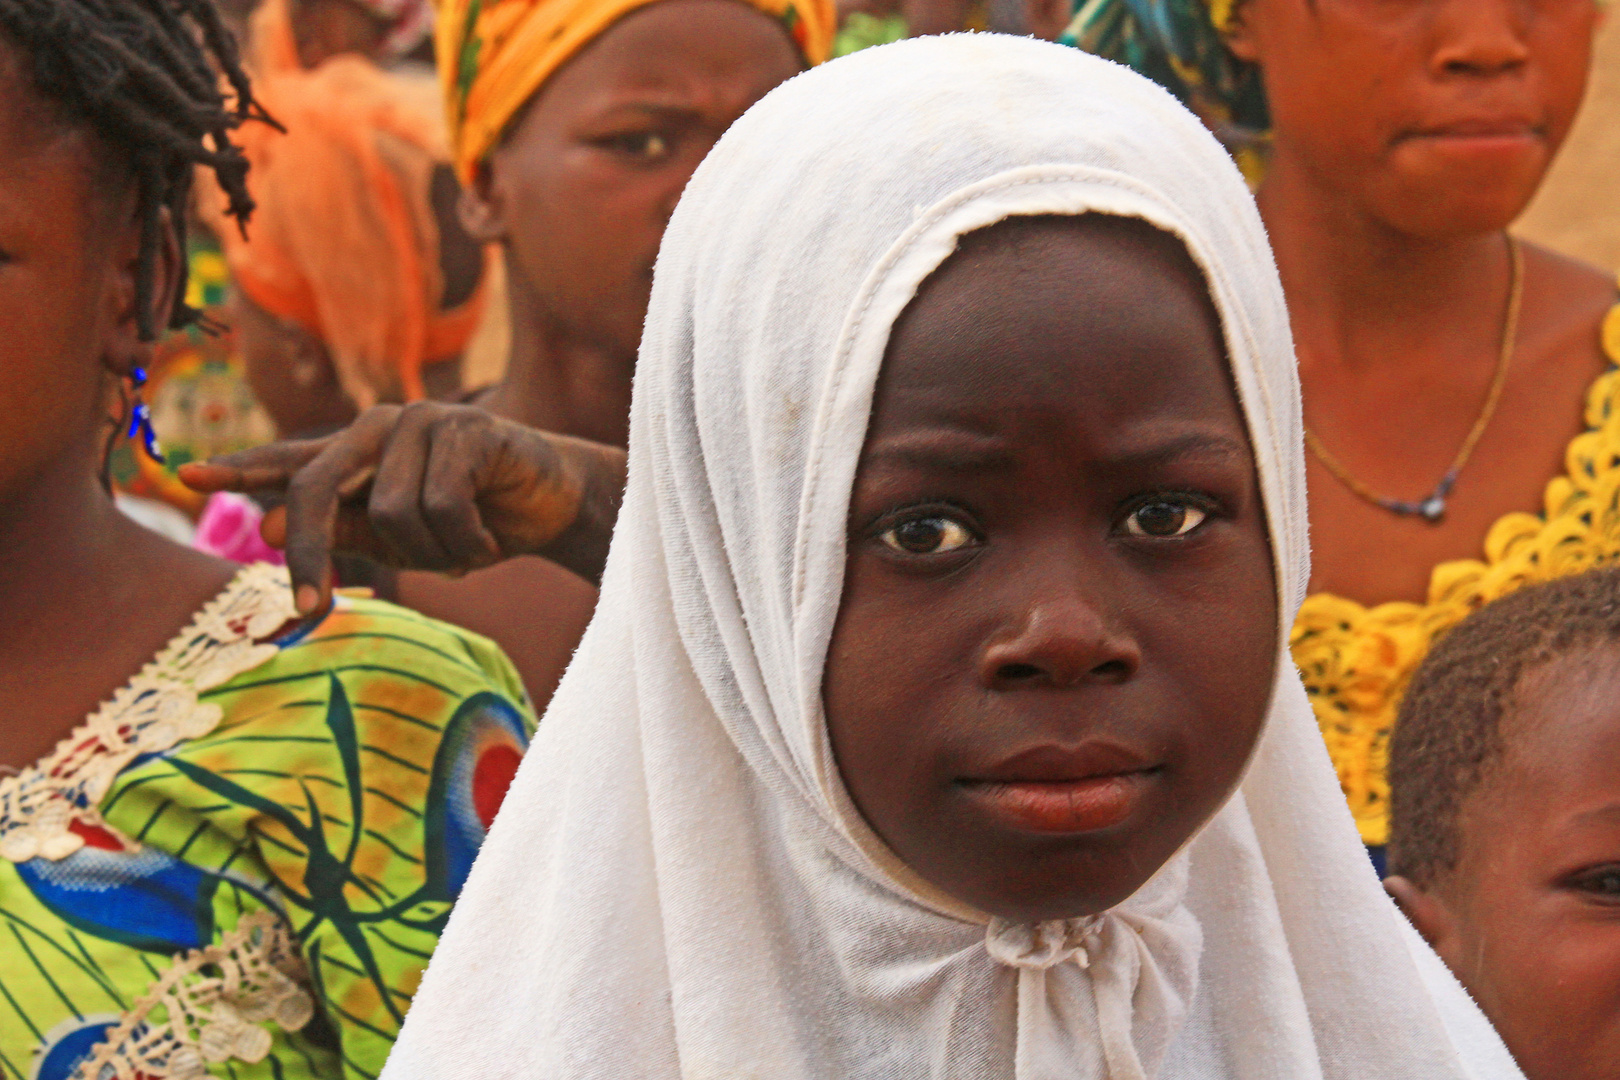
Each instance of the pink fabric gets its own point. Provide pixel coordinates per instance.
(229, 528)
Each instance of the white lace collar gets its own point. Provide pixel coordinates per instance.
(153, 712)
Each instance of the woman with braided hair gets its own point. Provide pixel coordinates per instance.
(229, 835)
(1459, 385)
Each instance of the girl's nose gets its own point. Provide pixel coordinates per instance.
(1482, 38)
(1060, 642)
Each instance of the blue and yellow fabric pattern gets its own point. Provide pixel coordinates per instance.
(240, 865)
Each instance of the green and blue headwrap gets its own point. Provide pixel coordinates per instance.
(1179, 44)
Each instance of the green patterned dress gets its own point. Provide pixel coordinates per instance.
(239, 866)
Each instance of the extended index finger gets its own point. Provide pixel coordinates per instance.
(263, 468)
(313, 498)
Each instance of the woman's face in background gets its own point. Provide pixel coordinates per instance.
(582, 188)
(1438, 118)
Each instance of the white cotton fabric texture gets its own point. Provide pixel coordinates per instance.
(679, 885)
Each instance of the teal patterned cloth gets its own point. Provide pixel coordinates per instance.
(1179, 45)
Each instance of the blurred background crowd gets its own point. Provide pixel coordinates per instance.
(375, 178)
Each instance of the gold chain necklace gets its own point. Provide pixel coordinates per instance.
(1433, 508)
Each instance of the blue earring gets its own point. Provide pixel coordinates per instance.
(140, 418)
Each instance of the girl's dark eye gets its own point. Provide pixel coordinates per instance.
(927, 536)
(1602, 882)
(646, 145)
(1164, 518)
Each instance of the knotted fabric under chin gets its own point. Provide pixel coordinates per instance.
(679, 886)
(1141, 963)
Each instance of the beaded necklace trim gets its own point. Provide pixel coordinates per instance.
(155, 711)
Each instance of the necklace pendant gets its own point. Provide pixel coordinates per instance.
(1432, 509)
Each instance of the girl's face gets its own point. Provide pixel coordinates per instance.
(584, 184)
(1058, 632)
(1437, 117)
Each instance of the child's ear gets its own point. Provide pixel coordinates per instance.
(1427, 912)
(482, 207)
(1239, 35)
(125, 348)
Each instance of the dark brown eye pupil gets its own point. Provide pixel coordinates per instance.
(921, 536)
(1161, 519)
(1607, 883)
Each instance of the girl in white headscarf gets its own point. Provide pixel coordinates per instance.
(936, 720)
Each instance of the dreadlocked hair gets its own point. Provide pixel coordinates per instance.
(1449, 731)
(142, 75)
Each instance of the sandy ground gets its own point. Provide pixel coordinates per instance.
(1578, 209)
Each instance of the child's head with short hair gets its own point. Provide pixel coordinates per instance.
(1505, 833)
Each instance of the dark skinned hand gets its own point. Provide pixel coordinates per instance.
(428, 486)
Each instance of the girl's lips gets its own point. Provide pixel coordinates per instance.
(1061, 806)
(1505, 136)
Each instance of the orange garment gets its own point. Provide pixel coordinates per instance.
(344, 241)
(493, 55)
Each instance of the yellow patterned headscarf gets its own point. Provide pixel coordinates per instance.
(493, 55)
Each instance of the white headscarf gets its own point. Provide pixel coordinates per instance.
(679, 885)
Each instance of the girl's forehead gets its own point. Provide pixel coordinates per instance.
(43, 152)
(36, 126)
(1055, 289)
(1094, 331)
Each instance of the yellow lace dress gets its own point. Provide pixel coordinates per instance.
(1356, 661)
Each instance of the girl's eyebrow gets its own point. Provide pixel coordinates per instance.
(947, 449)
(1608, 815)
(962, 451)
(662, 107)
(1194, 444)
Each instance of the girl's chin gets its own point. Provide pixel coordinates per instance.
(1466, 189)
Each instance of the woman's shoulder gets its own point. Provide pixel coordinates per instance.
(248, 705)
(392, 687)
(362, 629)
(1568, 304)
(1568, 272)
(248, 638)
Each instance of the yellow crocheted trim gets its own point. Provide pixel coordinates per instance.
(214, 1003)
(1356, 661)
(153, 712)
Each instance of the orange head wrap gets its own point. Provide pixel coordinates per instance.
(344, 241)
(495, 54)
